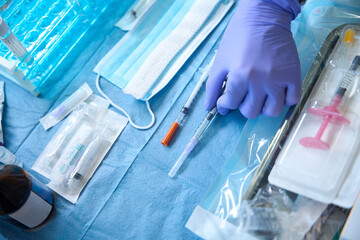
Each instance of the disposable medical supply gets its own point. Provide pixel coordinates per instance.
(53, 33)
(349, 37)
(187, 105)
(66, 107)
(324, 169)
(194, 140)
(134, 14)
(2, 100)
(331, 113)
(262, 139)
(77, 149)
(220, 207)
(262, 221)
(138, 65)
(23, 198)
(83, 169)
(93, 108)
(6, 157)
(272, 214)
(12, 42)
(316, 21)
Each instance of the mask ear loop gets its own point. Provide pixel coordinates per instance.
(123, 111)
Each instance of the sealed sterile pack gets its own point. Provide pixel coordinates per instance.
(59, 113)
(322, 147)
(78, 147)
(219, 214)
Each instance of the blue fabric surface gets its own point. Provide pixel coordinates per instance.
(130, 195)
(148, 204)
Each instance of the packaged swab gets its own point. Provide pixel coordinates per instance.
(66, 107)
(77, 149)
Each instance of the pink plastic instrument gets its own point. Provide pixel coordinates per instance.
(331, 113)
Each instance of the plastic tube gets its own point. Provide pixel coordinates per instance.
(12, 42)
(188, 104)
(66, 107)
(194, 140)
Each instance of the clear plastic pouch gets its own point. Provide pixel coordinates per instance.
(78, 147)
(322, 146)
(217, 216)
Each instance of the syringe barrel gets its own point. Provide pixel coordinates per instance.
(349, 76)
(205, 123)
(355, 63)
(199, 84)
(181, 115)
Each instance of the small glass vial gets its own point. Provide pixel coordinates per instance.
(24, 201)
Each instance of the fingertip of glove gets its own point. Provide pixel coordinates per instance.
(222, 111)
(292, 100)
(248, 113)
(207, 106)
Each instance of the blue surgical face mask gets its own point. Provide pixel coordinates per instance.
(148, 57)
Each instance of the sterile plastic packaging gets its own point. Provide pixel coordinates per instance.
(218, 214)
(329, 225)
(6, 157)
(78, 147)
(59, 113)
(316, 21)
(272, 214)
(277, 214)
(322, 147)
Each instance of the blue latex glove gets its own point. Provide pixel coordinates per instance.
(258, 56)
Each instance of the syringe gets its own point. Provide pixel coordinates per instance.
(331, 113)
(194, 140)
(187, 105)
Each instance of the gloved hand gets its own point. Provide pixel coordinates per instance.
(258, 56)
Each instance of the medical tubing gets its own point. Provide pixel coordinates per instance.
(124, 112)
